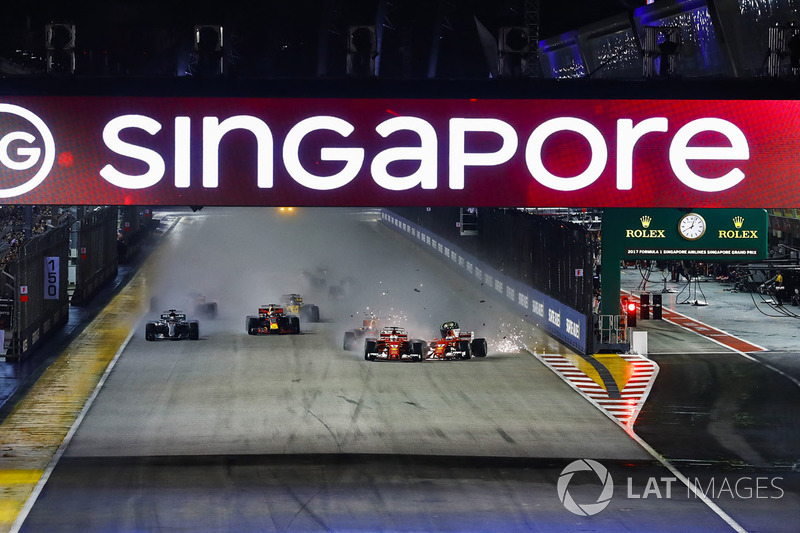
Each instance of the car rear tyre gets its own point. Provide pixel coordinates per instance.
(295, 323)
(479, 348)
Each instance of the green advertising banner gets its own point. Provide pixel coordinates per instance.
(697, 234)
(677, 234)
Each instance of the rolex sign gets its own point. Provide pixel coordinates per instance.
(692, 234)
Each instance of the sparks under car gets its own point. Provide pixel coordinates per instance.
(172, 325)
(272, 320)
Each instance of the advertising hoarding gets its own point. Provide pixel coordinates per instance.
(397, 151)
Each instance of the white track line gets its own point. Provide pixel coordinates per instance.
(674, 471)
(31, 501)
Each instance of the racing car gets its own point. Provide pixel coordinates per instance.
(369, 327)
(456, 344)
(343, 290)
(172, 325)
(201, 305)
(272, 319)
(392, 343)
(293, 303)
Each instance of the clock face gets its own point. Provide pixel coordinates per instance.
(692, 226)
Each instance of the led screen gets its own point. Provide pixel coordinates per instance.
(391, 152)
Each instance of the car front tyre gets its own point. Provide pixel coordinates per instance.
(466, 349)
(150, 332)
(369, 350)
(194, 331)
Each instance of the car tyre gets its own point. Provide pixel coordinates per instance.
(150, 332)
(419, 349)
(349, 341)
(194, 331)
(369, 349)
(295, 325)
(466, 349)
(479, 348)
(251, 325)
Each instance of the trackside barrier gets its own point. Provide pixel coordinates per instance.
(611, 334)
(95, 252)
(135, 224)
(551, 255)
(36, 283)
(561, 321)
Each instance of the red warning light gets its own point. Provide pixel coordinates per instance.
(629, 308)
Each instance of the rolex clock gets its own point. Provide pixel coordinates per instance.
(692, 226)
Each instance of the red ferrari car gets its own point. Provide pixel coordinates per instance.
(456, 344)
(393, 344)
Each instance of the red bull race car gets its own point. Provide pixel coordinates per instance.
(369, 328)
(456, 344)
(393, 344)
(272, 320)
(173, 326)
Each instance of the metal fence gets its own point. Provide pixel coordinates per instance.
(77, 257)
(94, 252)
(548, 254)
(35, 286)
(134, 225)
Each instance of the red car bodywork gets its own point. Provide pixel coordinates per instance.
(455, 344)
(393, 344)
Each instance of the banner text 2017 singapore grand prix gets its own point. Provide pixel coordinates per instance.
(367, 152)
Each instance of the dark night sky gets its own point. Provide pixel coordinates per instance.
(556, 15)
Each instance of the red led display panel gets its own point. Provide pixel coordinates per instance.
(391, 152)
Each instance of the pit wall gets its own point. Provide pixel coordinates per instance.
(560, 321)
